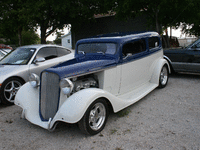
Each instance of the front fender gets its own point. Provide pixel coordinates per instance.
(75, 106)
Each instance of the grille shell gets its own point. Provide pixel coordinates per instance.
(49, 95)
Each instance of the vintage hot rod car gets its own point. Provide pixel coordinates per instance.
(107, 74)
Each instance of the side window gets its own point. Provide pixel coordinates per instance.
(154, 42)
(134, 47)
(62, 51)
(47, 53)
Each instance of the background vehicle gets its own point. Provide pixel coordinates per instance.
(5, 46)
(184, 59)
(107, 74)
(16, 67)
(2, 53)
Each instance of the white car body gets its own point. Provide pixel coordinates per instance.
(120, 85)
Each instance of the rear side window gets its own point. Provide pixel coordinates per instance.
(62, 51)
(134, 47)
(47, 53)
(154, 42)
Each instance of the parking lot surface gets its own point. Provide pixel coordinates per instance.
(166, 119)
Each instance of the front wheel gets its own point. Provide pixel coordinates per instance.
(95, 118)
(164, 75)
(9, 89)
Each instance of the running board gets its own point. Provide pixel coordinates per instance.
(138, 93)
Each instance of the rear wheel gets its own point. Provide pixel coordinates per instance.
(164, 75)
(9, 89)
(95, 118)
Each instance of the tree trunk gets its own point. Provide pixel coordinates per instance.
(43, 34)
(20, 36)
(170, 32)
(168, 44)
(157, 23)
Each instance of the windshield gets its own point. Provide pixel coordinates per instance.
(1, 54)
(20, 56)
(105, 48)
(195, 44)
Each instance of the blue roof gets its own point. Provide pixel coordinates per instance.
(117, 37)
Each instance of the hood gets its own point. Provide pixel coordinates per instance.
(76, 67)
(7, 69)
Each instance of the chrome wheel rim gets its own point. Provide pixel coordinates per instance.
(97, 116)
(163, 76)
(11, 89)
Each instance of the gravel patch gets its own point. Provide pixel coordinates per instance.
(166, 119)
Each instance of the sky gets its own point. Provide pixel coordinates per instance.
(177, 33)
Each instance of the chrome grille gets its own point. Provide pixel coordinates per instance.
(49, 95)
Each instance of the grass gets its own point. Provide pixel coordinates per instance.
(123, 112)
(112, 131)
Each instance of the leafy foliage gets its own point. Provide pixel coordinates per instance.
(191, 20)
(161, 13)
(58, 39)
(50, 15)
(14, 19)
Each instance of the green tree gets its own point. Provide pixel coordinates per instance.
(51, 15)
(29, 37)
(191, 21)
(13, 18)
(58, 39)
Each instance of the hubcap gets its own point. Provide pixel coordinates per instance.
(11, 89)
(97, 116)
(163, 76)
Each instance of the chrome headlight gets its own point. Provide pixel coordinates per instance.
(66, 85)
(34, 80)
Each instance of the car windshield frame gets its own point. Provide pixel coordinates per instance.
(1, 53)
(108, 48)
(194, 43)
(20, 56)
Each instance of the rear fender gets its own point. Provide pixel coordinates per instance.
(156, 74)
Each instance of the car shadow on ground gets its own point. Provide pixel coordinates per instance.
(3, 105)
(186, 75)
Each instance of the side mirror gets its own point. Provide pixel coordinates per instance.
(41, 59)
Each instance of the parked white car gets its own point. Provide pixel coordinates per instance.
(2, 54)
(16, 67)
(107, 74)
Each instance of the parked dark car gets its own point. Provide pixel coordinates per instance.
(184, 59)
